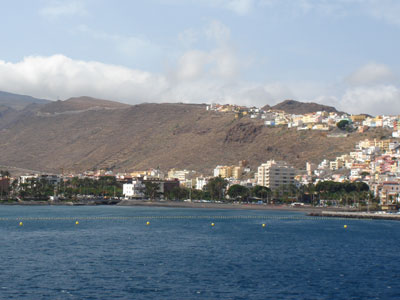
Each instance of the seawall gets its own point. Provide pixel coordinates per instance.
(357, 215)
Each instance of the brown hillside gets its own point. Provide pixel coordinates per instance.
(297, 107)
(164, 135)
(80, 104)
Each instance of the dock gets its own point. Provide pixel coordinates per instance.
(357, 215)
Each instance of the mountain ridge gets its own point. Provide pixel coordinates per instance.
(81, 104)
(298, 107)
(18, 102)
(149, 135)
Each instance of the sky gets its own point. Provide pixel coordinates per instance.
(343, 53)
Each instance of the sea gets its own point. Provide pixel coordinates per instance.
(111, 252)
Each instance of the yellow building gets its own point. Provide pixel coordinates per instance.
(223, 171)
(336, 164)
(138, 173)
(320, 127)
(229, 171)
(237, 172)
(383, 144)
(358, 118)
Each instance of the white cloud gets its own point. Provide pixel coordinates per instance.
(219, 62)
(58, 76)
(381, 99)
(192, 64)
(218, 32)
(129, 46)
(241, 7)
(56, 9)
(199, 76)
(61, 77)
(188, 37)
(372, 73)
(387, 10)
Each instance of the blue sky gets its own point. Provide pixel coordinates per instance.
(252, 52)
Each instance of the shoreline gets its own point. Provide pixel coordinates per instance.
(209, 205)
(309, 210)
(179, 204)
(323, 212)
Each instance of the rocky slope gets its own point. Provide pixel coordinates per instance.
(17, 102)
(297, 107)
(76, 136)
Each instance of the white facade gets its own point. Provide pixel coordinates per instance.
(134, 189)
(355, 172)
(156, 173)
(181, 175)
(217, 171)
(201, 182)
(24, 178)
(275, 173)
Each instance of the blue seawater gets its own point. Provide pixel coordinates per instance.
(113, 254)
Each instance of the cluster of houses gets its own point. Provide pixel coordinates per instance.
(320, 120)
(375, 162)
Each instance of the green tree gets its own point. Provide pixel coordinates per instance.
(152, 190)
(216, 187)
(198, 194)
(310, 190)
(4, 173)
(262, 192)
(238, 191)
(343, 124)
(178, 193)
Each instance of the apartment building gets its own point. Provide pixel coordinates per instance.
(273, 174)
(135, 189)
(181, 175)
(223, 171)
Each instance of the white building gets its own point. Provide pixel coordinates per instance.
(25, 178)
(181, 175)
(201, 182)
(156, 173)
(134, 189)
(273, 174)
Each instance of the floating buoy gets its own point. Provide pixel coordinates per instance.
(147, 223)
(212, 224)
(21, 224)
(77, 223)
(263, 225)
(345, 226)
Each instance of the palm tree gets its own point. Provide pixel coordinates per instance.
(152, 190)
(310, 189)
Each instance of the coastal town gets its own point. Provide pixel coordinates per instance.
(368, 176)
